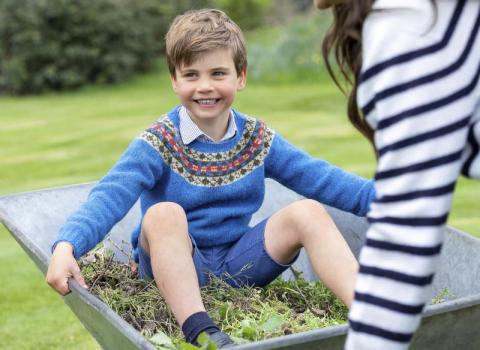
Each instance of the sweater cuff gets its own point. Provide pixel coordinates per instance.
(54, 245)
(79, 247)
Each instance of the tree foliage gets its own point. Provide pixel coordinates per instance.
(62, 44)
(248, 14)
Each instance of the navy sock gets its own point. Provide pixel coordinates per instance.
(197, 323)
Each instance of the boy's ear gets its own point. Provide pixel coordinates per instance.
(242, 79)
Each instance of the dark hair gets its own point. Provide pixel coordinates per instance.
(344, 40)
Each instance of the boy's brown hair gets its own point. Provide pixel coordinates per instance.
(199, 31)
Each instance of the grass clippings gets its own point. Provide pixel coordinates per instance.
(247, 314)
(443, 295)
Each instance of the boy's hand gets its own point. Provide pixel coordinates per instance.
(63, 266)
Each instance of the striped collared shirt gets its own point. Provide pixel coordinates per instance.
(189, 131)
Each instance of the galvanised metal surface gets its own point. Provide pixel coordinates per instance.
(34, 219)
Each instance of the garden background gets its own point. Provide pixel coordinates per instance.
(63, 124)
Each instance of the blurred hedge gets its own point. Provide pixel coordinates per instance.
(62, 44)
(248, 14)
(292, 52)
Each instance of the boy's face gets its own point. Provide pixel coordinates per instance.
(207, 87)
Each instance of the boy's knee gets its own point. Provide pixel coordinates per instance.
(306, 212)
(309, 208)
(165, 214)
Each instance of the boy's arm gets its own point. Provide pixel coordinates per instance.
(317, 179)
(138, 169)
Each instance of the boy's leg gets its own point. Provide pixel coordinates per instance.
(307, 224)
(165, 238)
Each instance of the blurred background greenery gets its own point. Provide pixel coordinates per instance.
(81, 79)
(60, 44)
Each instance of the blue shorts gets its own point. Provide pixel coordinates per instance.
(242, 263)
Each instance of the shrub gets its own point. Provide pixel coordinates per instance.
(292, 53)
(63, 44)
(248, 14)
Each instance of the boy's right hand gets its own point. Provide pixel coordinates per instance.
(63, 266)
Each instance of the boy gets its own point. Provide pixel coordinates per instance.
(199, 172)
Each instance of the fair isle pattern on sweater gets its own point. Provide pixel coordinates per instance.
(211, 169)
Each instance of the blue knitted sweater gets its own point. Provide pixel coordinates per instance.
(220, 186)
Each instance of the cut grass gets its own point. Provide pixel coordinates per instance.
(247, 313)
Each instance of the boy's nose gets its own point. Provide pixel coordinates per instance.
(204, 85)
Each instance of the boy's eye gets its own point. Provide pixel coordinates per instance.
(190, 75)
(218, 73)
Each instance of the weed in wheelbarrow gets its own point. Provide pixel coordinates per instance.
(246, 314)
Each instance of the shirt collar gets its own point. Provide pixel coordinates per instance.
(189, 131)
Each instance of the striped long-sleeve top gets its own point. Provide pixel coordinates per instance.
(419, 90)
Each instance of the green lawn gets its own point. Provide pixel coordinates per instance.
(55, 140)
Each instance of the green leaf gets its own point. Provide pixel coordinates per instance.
(187, 346)
(203, 339)
(162, 340)
(249, 330)
(211, 346)
(206, 343)
(274, 323)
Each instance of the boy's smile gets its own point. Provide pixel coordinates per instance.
(207, 89)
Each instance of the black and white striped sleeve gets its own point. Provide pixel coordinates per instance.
(419, 89)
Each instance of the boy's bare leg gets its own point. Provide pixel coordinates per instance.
(165, 237)
(307, 224)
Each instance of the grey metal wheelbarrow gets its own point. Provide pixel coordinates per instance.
(33, 218)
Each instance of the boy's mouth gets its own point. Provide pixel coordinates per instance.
(207, 101)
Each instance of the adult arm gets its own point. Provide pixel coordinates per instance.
(416, 91)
